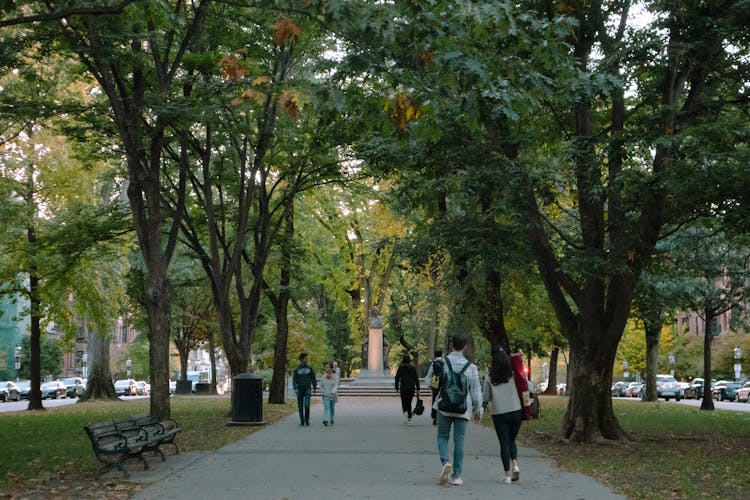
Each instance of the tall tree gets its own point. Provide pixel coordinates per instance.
(135, 56)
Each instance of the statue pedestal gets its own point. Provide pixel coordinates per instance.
(375, 352)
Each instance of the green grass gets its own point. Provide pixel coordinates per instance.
(675, 451)
(49, 452)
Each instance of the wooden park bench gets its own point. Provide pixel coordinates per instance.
(116, 441)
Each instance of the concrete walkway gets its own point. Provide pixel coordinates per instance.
(368, 454)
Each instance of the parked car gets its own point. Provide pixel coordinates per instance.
(9, 391)
(142, 388)
(666, 387)
(54, 390)
(541, 387)
(618, 389)
(695, 390)
(76, 387)
(727, 390)
(24, 387)
(126, 387)
(743, 393)
(634, 389)
(562, 389)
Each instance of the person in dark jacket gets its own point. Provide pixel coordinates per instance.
(303, 383)
(407, 383)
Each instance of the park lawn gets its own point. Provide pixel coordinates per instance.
(676, 451)
(47, 454)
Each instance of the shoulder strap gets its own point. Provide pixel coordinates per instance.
(447, 361)
(465, 367)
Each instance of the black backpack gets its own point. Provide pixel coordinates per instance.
(454, 387)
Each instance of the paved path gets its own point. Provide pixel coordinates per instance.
(368, 454)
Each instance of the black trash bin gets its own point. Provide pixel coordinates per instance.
(183, 387)
(203, 388)
(247, 400)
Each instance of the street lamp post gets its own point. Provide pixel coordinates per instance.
(737, 364)
(128, 364)
(671, 364)
(625, 366)
(18, 351)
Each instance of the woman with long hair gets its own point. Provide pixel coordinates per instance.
(500, 394)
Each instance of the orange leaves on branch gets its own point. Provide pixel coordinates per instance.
(232, 68)
(289, 102)
(285, 31)
(402, 109)
(428, 60)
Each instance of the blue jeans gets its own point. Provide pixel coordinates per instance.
(328, 406)
(303, 405)
(443, 434)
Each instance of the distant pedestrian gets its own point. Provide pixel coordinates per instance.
(407, 383)
(336, 369)
(329, 390)
(432, 378)
(472, 403)
(500, 392)
(303, 382)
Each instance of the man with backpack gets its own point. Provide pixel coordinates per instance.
(459, 399)
(432, 378)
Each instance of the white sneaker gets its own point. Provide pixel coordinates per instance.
(408, 421)
(457, 481)
(445, 473)
(506, 480)
(516, 473)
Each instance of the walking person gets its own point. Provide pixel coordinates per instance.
(500, 392)
(303, 383)
(432, 379)
(458, 401)
(329, 390)
(407, 382)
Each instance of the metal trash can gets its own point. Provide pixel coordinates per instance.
(247, 400)
(183, 387)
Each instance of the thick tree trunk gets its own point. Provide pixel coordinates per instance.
(99, 385)
(652, 356)
(35, 342)
(589, 417)
(158, 302)
(277, 390)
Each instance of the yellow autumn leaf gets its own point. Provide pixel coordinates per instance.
(261, 80)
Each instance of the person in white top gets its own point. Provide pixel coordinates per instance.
(329, 390)
(500, 393)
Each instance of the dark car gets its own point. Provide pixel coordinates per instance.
(9, 391)
(54, 390)
(618, 389)
(126, 387)
(75, 386)
(695, 390)
(726, 391)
